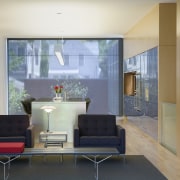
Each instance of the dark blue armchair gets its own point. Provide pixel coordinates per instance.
(16, 128)
(99, 130)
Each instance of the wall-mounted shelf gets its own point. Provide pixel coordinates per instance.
(130, 83)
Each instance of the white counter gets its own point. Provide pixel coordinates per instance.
(63, 118)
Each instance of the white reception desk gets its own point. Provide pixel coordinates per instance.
(63, 118)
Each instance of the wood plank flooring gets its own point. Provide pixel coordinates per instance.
(140, 143)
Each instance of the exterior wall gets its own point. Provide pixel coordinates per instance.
(99, 99)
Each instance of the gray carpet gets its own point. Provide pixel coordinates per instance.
(135, 168)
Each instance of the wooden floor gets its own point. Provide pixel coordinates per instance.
(139, 143)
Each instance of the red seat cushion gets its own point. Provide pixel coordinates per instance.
(11, 147)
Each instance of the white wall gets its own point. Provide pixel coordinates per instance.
(3, 78)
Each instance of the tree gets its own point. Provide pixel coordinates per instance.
(15, 96)
(16, 59)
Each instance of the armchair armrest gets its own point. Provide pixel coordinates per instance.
(76, 137)
(122, 134)
(30, 136)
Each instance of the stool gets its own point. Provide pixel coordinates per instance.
(12, 151)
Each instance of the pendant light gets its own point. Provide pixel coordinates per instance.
(59, 57)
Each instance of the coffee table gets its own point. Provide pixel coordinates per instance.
(85, 152)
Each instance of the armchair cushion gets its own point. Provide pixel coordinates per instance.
(99, 141)
(11, 147)
(97, 125)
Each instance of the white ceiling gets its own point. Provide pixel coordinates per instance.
(78, 18)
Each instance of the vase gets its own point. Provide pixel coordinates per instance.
(58, 97)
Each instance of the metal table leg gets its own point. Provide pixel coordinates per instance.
(96, 163)
(9, 163)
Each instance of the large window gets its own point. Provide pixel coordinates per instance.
(92, 68)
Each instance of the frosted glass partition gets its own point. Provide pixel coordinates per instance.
(168, 126)
(63, 118)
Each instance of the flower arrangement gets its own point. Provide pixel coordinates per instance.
(58, 89)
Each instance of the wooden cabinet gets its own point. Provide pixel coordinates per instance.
(130, 83)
